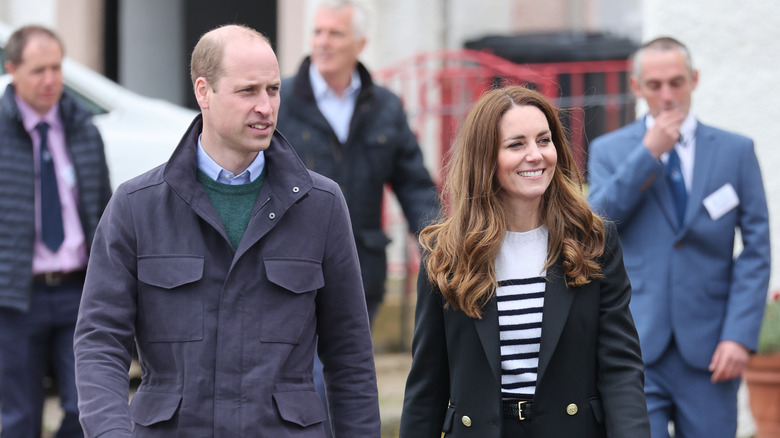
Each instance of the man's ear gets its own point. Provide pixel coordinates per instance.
(10, 67)
(202, 89)
(361, 45)
(634, 82)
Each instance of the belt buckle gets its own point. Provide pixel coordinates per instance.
(53, 278)
(520, 410)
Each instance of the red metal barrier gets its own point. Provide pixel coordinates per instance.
(438, 88)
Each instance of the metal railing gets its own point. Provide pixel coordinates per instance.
(438, 88)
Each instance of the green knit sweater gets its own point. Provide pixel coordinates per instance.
(233, 203)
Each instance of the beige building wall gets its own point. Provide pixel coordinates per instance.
(291, 35)
(78, 22)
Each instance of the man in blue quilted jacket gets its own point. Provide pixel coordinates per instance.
(55, 185)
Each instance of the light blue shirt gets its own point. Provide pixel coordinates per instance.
(337, 110)
(220, 175)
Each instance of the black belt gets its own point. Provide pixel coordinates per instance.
(518, 409)
(60, 278)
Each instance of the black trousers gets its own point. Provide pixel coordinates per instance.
(516, 429)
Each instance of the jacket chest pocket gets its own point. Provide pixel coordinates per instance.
(378, 159)
(290, 298)
(170, 299)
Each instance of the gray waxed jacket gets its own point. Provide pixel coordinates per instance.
(225, 338)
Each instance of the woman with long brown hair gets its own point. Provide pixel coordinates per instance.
(522, 326)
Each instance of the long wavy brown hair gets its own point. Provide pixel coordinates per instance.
(461, 247)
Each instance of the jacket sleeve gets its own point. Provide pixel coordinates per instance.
(617, 186)
(751, 269)
(105, 328)
(427, 386)
(410, 180)
(620, 367)
(344, 344)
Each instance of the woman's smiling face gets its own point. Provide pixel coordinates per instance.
(526, 156)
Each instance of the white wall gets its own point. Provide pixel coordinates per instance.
(17, 13)
(620, 17)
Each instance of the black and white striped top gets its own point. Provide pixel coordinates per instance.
(520, 296)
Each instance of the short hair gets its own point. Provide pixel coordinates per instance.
(360, 14)
(14, 48)
(661, 44)
(208, 53)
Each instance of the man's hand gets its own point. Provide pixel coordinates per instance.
(729, 361)
(665, 132)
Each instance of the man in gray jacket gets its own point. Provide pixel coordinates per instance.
(224, 265)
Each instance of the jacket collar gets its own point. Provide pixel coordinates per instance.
(302, 84)
(71, 112)
(287, 181)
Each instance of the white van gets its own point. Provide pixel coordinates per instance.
(139, 132)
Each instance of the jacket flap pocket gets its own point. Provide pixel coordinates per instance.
(449, 417)
(303, 408)
(169, 271)
(296, 275)
(375, 240)
(148, 408)
(598, 410)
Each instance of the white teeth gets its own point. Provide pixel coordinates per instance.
(259, 126)
(530, 174)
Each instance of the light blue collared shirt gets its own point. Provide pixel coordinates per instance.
(220, 175)
(337, 110)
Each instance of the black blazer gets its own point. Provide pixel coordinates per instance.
(589, 358)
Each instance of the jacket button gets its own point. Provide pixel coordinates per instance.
(571, 409)
(296, 189)
(466, 421)
(272, 216)
(678, 245)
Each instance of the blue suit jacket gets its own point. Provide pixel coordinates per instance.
(686, 281)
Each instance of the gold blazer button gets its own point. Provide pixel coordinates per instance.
(571, 409)
(466, 421)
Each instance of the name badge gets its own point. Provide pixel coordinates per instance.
(69, 175)
(721, 201)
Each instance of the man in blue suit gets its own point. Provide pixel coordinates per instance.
(678, 191)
